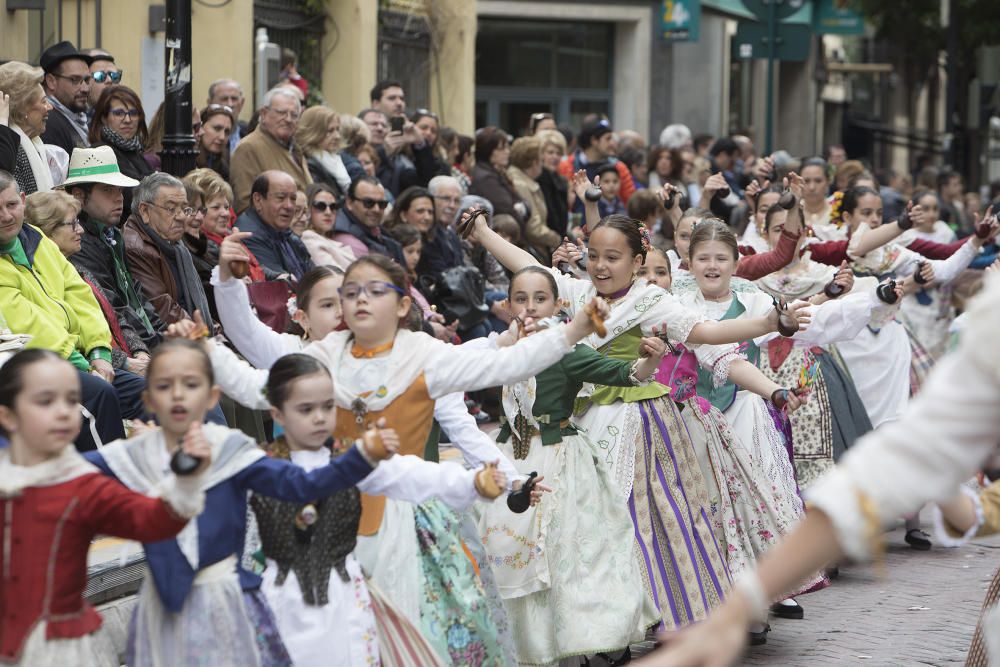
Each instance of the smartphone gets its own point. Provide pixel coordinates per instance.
(396, 123)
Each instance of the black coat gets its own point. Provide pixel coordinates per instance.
(9, 143)
(133, 165)
(59, 131)
(555, 189)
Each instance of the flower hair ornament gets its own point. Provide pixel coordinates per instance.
(292, 305)
(836, 209)
(644, 235)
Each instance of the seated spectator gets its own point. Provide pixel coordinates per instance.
(635, 160)
(269, 218)
(410, 238)
(300, 218)
(120, 122)
(369, 161)
(217, 123)
(204, 253)
(415, 207)
(359, 221)
(318, 136)
(489, 176)
(55, 215)
(270, 147)
(463, 162)
(525, 168)
(427, 122)
(442, 248)
(43, 296)
(67, 85)
(94, 180)
(227, 92)
(29, 110)
(395, 169)
(554, 187)
(155, 251)
(318, 237)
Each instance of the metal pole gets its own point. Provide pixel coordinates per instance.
(772, 28)
(178, 142)
(951, 91)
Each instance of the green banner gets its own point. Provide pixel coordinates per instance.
(680, 20)
(835, 17)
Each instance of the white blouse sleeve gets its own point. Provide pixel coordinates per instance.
(573, 290)
(839, 319)
(237, 379)
(259, 343)
(942, 438)
(897, 258)
(668, 309)
(477, 448)
(411, 479)
(454, 368)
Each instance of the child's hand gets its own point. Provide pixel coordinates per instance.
(231, 250)
(538, 489)
(581, 184)
(379, 442)
(191, 329)
(489, 481)
(195, 444)
(473, 221)
(598, 310)
(652, 346)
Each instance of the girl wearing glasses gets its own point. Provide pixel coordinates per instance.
(120, 122)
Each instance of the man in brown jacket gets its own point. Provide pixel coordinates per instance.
(270, 146)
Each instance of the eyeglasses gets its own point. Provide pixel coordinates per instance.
(290, 114)
(370, 203)
(322, 206)
(72, 224)
(448, 200)
(75, 80)
(122, 113)
(103, 76)
(373, 288)
(173, 211)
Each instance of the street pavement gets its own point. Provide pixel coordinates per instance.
(920, 608)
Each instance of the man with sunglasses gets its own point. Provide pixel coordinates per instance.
(67, 83)
(104, 73)
(359, 221)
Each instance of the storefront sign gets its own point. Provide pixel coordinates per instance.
(680, 20)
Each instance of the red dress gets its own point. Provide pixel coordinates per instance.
(49, 514)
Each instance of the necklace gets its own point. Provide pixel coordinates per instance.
(359, 352)
(616, 295)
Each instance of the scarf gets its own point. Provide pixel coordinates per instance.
(256, 272)
(333, 165)
(34, 149)
(112, 138)
(78, 121)
(192, 294)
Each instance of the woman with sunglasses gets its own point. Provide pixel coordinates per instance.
(318, 237)
(217, 123)
(120, 122)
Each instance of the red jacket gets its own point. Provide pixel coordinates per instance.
(47, 530)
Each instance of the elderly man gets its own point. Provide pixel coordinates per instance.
(280, 252)
(442, 248)
(271, 146)
(158, 260)
(397, 171)
(41, 294)
(96, 182)
(359, 221)
(67, 84)
(229, 93)
(104, 73)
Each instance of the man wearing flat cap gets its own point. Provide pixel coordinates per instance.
(67, 84)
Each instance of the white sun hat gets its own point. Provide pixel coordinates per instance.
(96, 165)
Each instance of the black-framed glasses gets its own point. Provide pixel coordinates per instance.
(107, 75)
(174, 211)
(322, 206)
(373, 288)
(72, 224)
(120, 114)
(370, 203)
(75, 80)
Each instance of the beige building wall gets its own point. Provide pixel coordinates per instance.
(350, 67)
(453, 63)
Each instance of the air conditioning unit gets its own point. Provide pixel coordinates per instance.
(267, 67)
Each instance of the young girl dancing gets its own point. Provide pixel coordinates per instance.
(194, 610)
(638, 430)
(53, 504)
(555, 564)
(313, 582)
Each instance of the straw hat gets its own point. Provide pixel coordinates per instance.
(96, 165)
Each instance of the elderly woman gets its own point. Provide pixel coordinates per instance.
(54, 213)
(489, 176)
(354, 137)
(217, 123)
(159, 259)
(524, 170)
(318, 135)
(555, 188)
(29, 109)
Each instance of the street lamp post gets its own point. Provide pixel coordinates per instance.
(178, 141)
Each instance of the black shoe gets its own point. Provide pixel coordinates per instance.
(759, 638)
(623, 659)
(788, 611)
(918, 539)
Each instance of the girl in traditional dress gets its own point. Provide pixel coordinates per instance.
(193, 610)
(313, 583)
(53, 503)
(555, 564)
(413, 552)
(638, 431)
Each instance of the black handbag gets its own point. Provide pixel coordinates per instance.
(459, 293)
